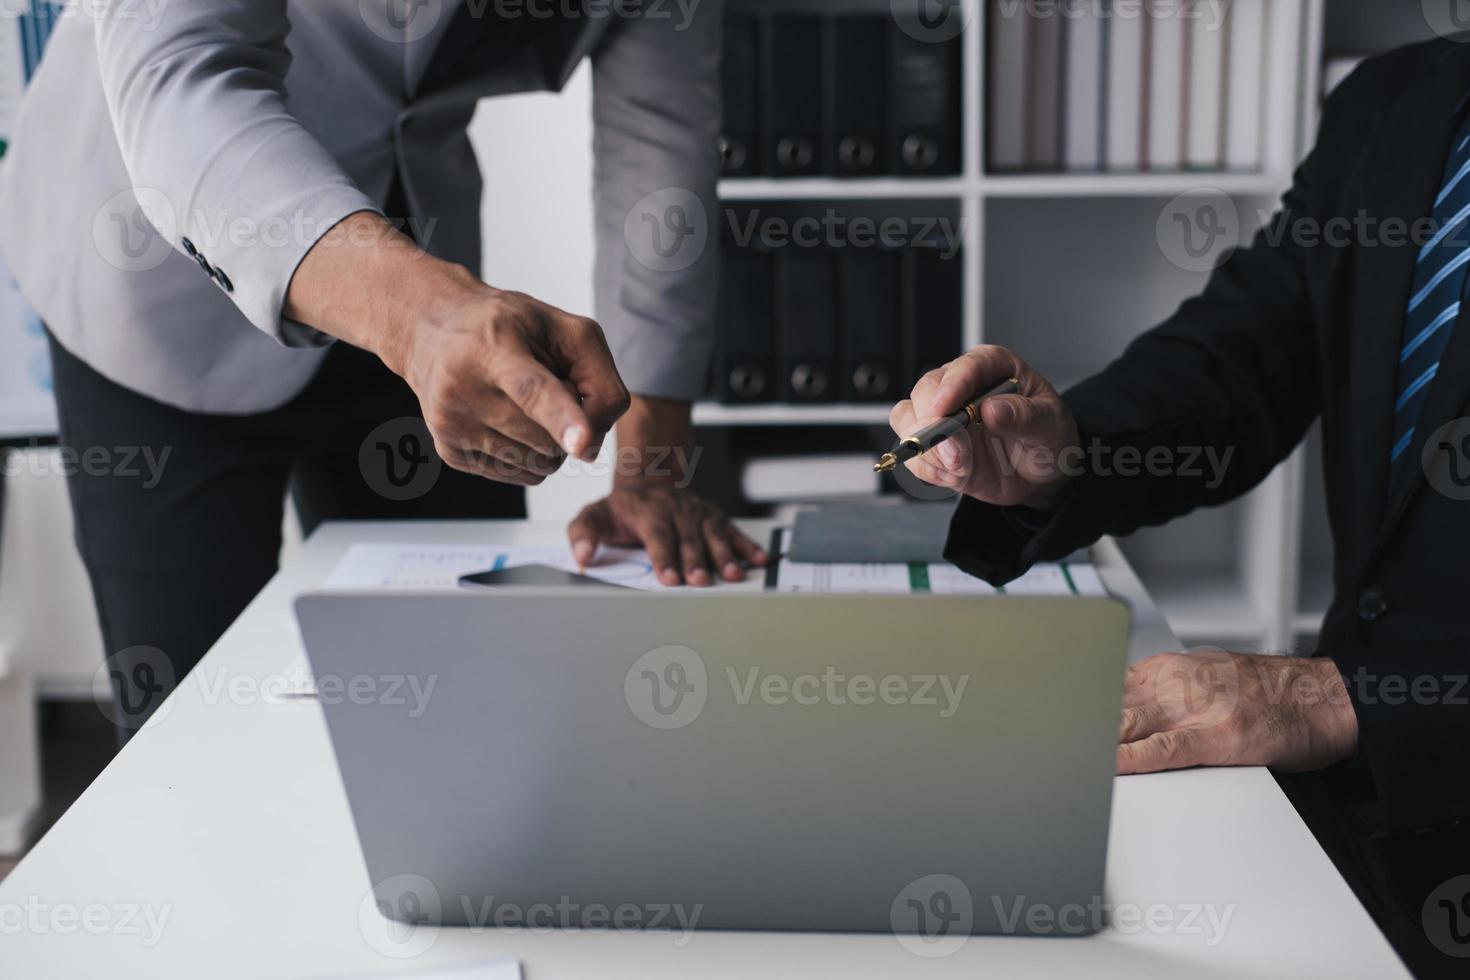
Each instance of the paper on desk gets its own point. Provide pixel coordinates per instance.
(939, 578)
(396, 566)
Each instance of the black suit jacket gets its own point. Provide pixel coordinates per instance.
(1288, 331)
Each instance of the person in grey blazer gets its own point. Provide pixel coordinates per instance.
(252, 230)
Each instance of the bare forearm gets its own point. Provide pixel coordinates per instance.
(364, 282)
(507, 383)
(656, 442)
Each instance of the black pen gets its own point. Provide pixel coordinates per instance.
(932, 435)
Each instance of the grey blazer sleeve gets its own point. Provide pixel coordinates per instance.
(197, 100)
(656, 115)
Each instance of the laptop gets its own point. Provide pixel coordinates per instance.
(930, 766)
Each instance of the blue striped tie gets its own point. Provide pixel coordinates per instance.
(1434, 301)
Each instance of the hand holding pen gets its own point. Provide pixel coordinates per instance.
(1012, 450)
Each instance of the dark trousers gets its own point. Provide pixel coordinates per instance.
(178, 513)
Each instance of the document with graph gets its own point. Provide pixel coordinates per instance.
(1077, 578)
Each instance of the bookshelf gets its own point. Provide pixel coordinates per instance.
(982, 196)
(1252, 574)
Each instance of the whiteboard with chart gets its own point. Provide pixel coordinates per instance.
(27, 409)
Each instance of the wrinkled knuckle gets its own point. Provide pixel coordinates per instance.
(1173, 746)
(527, 388)
(1130, 721)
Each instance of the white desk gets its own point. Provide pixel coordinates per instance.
(228, 816)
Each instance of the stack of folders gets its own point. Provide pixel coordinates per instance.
(836, 301)
(1125, 85)
(837, 88)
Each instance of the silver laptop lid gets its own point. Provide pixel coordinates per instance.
(922, 765)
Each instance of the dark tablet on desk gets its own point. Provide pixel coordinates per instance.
(538, 575)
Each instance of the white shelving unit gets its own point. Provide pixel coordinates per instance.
(1254, 574)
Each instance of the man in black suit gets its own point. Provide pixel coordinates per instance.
(1346, 308)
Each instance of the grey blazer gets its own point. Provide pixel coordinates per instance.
(172, 164)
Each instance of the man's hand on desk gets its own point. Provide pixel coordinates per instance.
(1013, 458)
(509, 386)
(688, 539)
(1234, 709)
